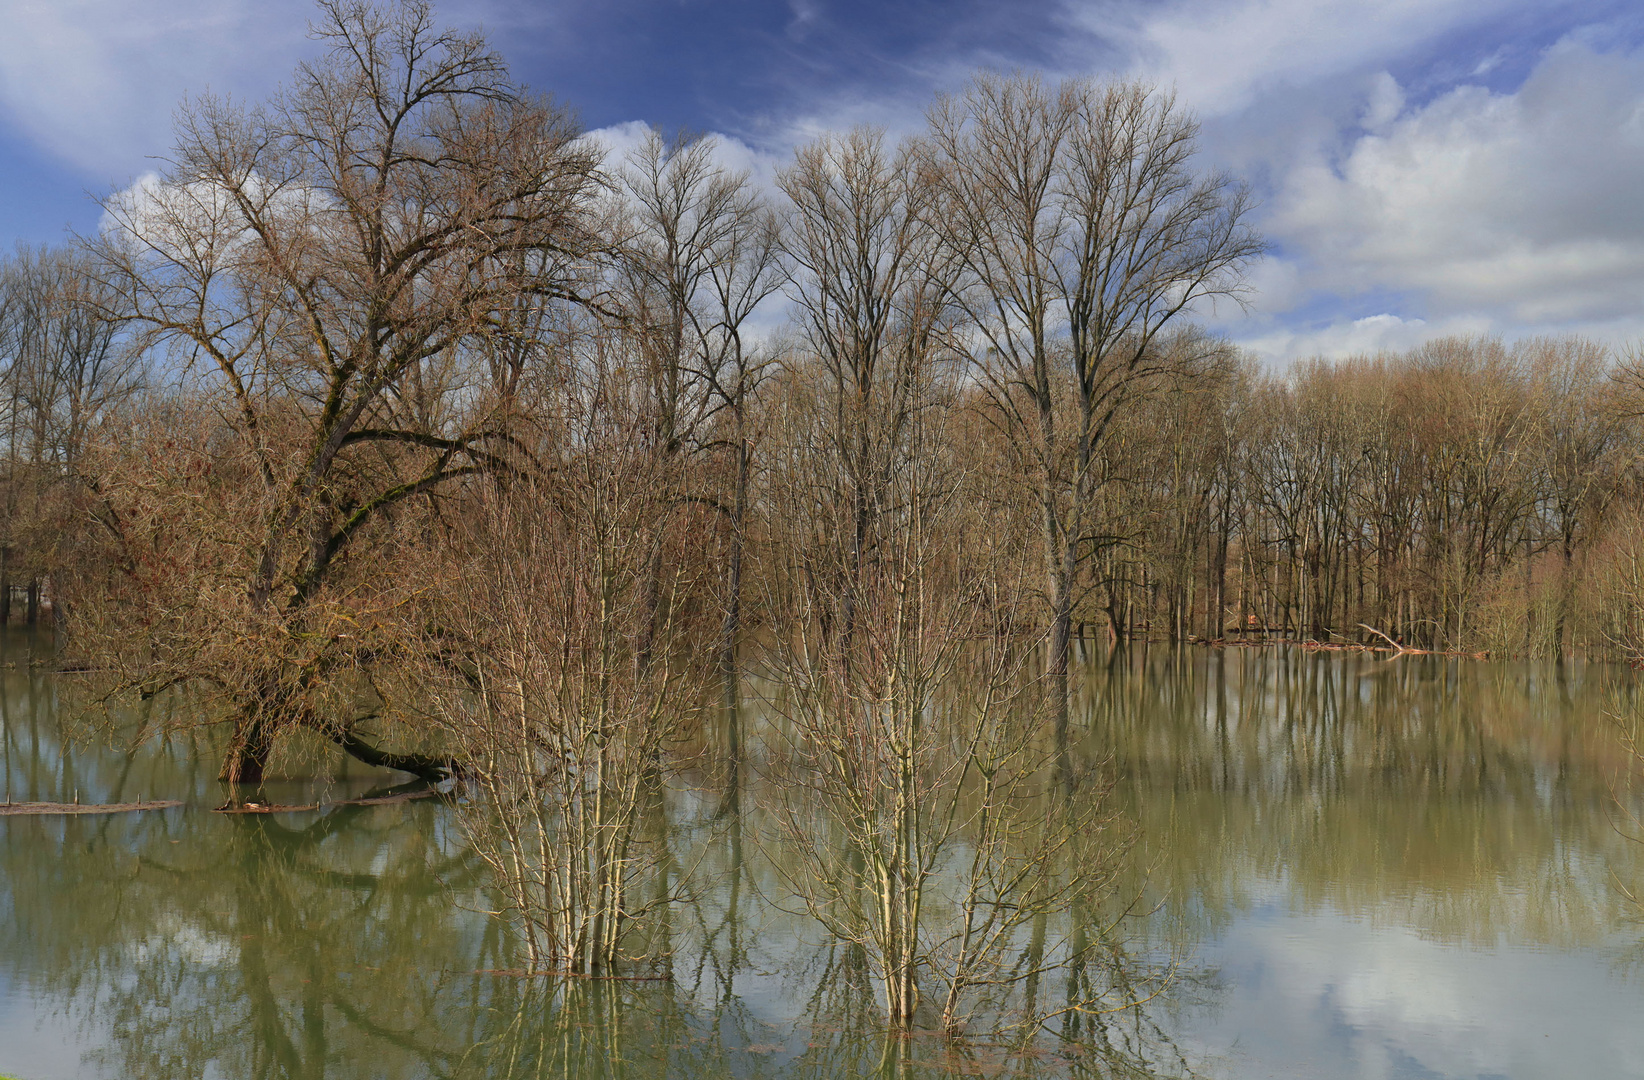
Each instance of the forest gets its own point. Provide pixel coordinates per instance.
(398, 415)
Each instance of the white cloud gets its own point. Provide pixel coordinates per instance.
(1521, 205)
(1385, 104)
(1384, 332)
(1335, 997)
(201, 224)
(1221, 57)
(1277, 343)
(617, 140)
(1480, 209)
(94, 82)
(730, 153)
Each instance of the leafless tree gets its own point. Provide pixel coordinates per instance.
(65, 367)
(332, 274)
(702, 257)
(919, 820)
(869, 283)
(538, 680)
(1582, 428)
(909, 736)
(1085, 235)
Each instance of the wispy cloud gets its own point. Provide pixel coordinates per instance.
(1221, 57)
(95, 82)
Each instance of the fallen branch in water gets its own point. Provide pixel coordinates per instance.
(1405, 650)
(1398, 649)
(9, 809)
(518, 973)
(254, 807)
(1346, 646)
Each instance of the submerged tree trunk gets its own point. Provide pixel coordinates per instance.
(732, 628)
(426, 766)
(1061, 623)
(248, 753)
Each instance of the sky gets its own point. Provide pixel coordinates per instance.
(1423, 167)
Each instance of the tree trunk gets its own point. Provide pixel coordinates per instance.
(653, 609)
(1566, 588)
(732, 627)
(248, 753)
(1061, 627)
(421, 765)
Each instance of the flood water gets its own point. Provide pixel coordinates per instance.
(1360, 868)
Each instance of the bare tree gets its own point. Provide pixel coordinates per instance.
(66, 368)
(919, 816)
(1582, 428)
(909, 737)
(331, 273)
(869, 285)
(702, 256)
(1085, 235)
(539, 682)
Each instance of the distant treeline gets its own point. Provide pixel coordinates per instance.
(68, 371)
(1468, 494)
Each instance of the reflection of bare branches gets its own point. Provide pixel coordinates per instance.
(242, 952)
(1623, 808)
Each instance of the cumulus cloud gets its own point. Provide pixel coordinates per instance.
(1385, 104)
(201, 225)
(1278, 340)
(1477, 201)
(1403, 171)
(616, 141)
(95, 82)
(1519, 205)
(1384, 332)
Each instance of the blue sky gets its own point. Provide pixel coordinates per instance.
(1424, 166)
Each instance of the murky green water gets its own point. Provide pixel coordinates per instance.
(1365, 869)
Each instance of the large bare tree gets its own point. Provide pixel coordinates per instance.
(333, 274)
(868, 284)
(1086, 234)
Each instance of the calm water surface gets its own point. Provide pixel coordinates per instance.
(1363, 868)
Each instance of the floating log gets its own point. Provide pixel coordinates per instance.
(10, 809)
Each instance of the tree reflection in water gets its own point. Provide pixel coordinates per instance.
(354, 942)
(1467, 801)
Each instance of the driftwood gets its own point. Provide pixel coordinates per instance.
(254, 807)
(517, 973)
(1392, 647)
(9, 809)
